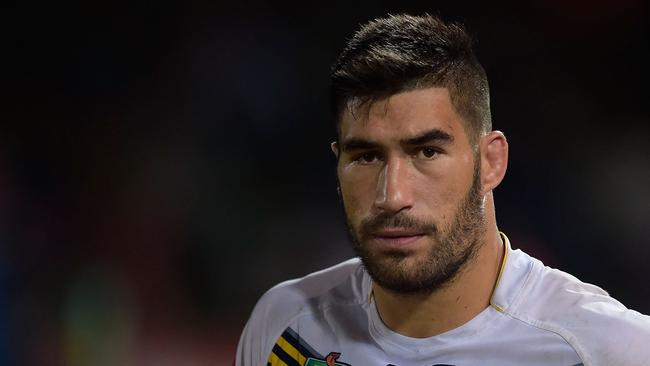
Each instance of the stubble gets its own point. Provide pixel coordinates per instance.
(450, 249)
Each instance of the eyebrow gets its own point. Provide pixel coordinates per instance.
(434, 135)
(356, 143)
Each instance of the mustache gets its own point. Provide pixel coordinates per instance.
(400, 220)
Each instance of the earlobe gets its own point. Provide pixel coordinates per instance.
(494, 160)
(335, 148)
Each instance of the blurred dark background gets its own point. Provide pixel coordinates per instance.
(163, 164)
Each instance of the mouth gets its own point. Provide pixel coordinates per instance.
(397, 238)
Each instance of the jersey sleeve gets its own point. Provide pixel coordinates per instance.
(271, 315)
(283, 305)
(601, 330)
(250, 349)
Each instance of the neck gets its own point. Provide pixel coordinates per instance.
(425, 315)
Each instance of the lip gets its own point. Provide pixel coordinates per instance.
(393, 239)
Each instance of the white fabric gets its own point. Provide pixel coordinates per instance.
(539, 316)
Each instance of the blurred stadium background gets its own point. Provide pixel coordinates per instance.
(162, 165)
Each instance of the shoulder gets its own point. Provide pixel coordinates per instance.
(337, 285)
(600, 329)
(334, 285)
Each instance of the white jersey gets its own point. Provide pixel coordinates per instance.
(538, 316)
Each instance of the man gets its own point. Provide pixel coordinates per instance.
(436, 282)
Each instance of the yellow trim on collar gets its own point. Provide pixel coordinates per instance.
(506, 245)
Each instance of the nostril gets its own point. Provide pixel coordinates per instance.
(394, 191)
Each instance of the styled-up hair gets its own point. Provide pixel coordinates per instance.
(403, 52)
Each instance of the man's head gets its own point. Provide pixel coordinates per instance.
(400, 53)
(415, 158)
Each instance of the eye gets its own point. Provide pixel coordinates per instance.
(427, 153)
(367, 158)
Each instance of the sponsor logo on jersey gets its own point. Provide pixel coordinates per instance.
(330, 360)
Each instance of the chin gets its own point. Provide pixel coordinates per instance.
(398, 271)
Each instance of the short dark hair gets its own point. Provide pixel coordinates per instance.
(403, 52)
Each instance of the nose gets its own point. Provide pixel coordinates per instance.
(394, 191)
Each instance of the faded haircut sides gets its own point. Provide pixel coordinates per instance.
(399, 53)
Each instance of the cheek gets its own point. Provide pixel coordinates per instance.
(357, 193)
(436, 196)
(440, 189)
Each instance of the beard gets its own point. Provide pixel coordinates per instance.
(449, 251)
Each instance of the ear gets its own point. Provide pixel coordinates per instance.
(494, 160)
(335, 148)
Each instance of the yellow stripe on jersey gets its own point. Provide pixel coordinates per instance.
(284, 353)
(291, 350)
(506, 245)
(275, 361)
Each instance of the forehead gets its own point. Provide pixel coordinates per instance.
(402, 115)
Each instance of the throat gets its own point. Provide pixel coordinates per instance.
(423, 315)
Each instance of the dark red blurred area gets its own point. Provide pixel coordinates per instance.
(162, 165)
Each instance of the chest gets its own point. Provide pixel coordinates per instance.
(352, 341)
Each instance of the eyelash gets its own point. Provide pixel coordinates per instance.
(433, 150)
(360, 158)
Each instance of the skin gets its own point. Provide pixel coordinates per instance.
(409, 156)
